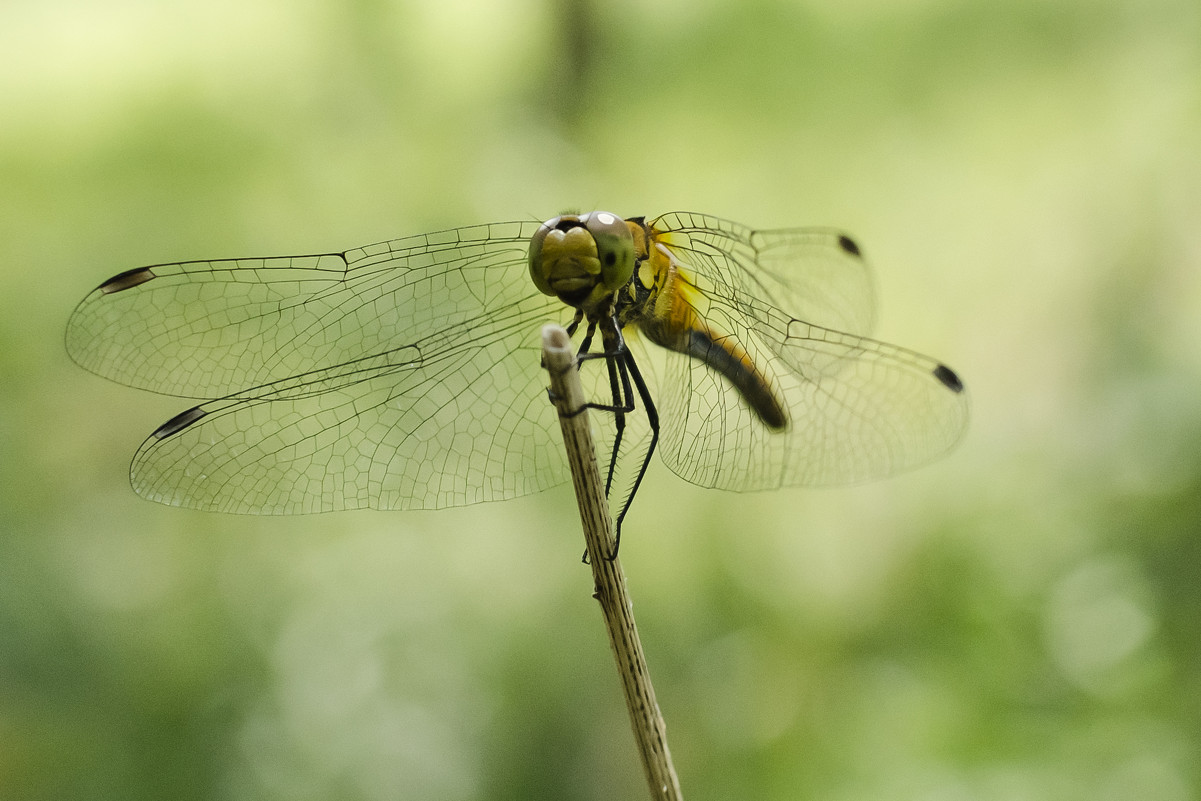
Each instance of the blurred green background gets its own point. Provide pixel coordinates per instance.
(1021, 620)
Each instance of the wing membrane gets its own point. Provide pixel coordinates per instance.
(817, 274)
(207, 329)
(858, 408)
(399, 376)
(461, 425)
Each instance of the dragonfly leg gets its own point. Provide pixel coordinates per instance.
(581, 354)
(575, 323)
(619, 414)
(621, 362)
(619, 408)
(623, 400)
(615, 354)
(585, 344)
(630, 369)
(571, 329)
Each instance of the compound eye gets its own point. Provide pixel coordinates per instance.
(614, 247)
(537, 268)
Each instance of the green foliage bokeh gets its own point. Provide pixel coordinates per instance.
(1019, 620)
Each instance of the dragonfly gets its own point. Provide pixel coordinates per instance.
(406, 374)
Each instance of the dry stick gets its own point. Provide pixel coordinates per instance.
(649, 729)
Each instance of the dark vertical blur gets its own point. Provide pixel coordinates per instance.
(576, 41)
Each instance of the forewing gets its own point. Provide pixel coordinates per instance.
(817, 274)
(208, 329)
(858, 409)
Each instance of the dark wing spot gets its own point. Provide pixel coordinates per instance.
(179, 422)
(948, 378)
(610, 258)
(127, 280)
(848, 244)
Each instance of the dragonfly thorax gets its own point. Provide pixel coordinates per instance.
(582, 260)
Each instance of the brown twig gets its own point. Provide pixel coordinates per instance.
(650, 731)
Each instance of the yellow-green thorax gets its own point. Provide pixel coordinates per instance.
(589, 263)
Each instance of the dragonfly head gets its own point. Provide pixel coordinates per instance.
(582, 260)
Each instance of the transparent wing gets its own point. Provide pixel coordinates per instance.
(205, 329)
(398, 375)
(816, 274)
(798, 302)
